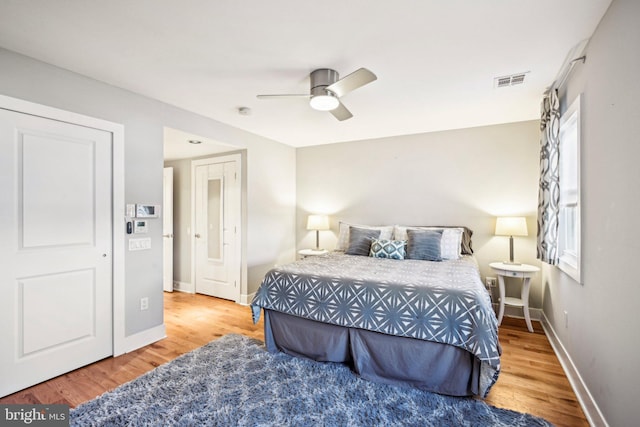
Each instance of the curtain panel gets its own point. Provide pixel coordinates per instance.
(549, 189)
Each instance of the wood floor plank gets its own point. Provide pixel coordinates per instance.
(531, 380)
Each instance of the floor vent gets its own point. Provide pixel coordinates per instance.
(512, 80)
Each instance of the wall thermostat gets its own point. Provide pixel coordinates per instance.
(147, 211)
(140, 226)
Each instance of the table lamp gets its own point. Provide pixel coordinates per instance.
(317, 223)
(511, 226)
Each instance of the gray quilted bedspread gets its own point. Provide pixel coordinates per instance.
(443, 302)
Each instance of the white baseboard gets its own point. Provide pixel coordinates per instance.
(245, 299)
(588, 404)
(136, 341)
(183, 287)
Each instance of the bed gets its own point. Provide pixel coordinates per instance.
(427, 323)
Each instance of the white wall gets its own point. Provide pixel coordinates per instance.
(460, 177)
(601, 337)
(270, 171)
(271, 195)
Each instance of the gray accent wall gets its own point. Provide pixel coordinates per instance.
(270, 172)
(459, 177)
(601, 337)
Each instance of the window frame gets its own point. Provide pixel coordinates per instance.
(570, 262)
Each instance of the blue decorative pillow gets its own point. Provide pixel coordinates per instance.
(360, 240)
(424, 244)
(393, 249)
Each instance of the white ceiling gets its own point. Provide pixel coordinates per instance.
(179, 144)
(435, 60)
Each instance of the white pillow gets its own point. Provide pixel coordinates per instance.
(343, 233)
(450, 244)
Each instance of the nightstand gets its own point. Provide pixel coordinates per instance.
(522, 271)
(312, 252)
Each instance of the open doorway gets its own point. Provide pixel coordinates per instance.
(183, 150)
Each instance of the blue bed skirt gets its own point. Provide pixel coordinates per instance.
(378, 357)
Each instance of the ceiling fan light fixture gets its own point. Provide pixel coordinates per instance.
(326, 102)
(326, 89)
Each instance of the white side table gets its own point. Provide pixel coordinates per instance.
(312, 252)
(523, 271)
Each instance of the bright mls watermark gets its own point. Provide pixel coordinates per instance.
(34, 415)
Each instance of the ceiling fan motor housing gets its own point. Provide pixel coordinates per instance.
(322, 78)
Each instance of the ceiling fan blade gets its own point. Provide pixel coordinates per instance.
(351, 82)
(292, 95)
(341, 113)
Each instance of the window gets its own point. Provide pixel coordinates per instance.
(569, 216)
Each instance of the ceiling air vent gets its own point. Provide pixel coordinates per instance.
(512, 80)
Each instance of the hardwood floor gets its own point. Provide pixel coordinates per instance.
(531, 379)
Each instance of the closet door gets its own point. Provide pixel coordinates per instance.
(55, 250)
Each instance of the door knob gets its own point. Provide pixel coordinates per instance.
(197, 235)
(168, 235)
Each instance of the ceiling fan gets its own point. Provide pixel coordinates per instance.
(327, 88)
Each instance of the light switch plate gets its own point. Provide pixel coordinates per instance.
(139, 244)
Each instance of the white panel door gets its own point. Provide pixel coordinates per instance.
(217, 223)
(55, 249)
(167, 229)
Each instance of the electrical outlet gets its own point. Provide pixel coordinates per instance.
(490, 282)
(144, 303)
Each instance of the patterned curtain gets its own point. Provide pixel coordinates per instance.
(549, 191)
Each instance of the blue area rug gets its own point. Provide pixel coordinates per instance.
(233, 381)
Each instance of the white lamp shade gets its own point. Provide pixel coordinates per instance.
(318, 222)
(511, 226)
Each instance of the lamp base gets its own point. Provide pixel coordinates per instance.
(511, 262)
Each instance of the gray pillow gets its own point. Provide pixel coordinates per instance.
(360, 240)
(424, 244)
